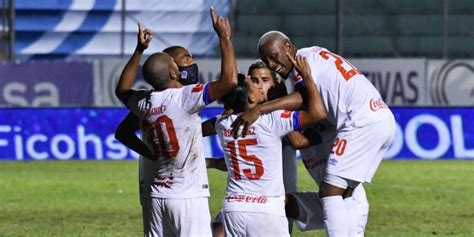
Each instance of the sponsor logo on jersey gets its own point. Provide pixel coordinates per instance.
(376, 104)
(164, 182)
(246, 198)
(332, 161)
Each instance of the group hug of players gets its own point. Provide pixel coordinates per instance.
(335, 117)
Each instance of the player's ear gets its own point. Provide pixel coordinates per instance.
(251, 99)
(174, 75)
(288, 46)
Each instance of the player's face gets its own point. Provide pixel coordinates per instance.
(273, 53)
(183, 58)
(255, 93)
(262, 78)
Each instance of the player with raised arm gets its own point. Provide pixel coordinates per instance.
(172, 133)
(125, 132)
(365, 126)
(255, 192)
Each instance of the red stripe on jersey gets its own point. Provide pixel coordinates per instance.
(198, 88)
(285, 114)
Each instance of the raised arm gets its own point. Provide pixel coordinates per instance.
(127, 78)
(228, 79)
(315, 110)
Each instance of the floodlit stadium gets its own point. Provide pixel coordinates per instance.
(81, 117)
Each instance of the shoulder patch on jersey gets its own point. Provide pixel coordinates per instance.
(197, 88)
(285, 114)
(297, 78)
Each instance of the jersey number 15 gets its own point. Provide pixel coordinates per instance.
(242, 148)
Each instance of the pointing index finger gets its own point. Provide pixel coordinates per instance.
(213, 15)
(140, 26)
(291, 58)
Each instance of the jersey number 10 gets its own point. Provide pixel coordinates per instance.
(242, 147)
(339, 61)
(162, 136)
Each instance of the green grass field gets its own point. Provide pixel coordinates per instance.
(94, 198)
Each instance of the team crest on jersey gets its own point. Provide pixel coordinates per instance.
(297, 78)
(198, 88)
(285, 114)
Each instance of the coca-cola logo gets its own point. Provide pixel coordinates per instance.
(377, 104)
(246, 198)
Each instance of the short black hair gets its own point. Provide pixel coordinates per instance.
(237, 98)
(172, 50)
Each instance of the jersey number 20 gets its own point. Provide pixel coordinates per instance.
(162, 136)
(242, 148)
(338, 61)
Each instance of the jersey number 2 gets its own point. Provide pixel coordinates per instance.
(338, 61)
(166, 143)
(242, 148)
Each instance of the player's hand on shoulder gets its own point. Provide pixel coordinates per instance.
(301, 64)
(144, 37)
(221, 25)
(242, 123)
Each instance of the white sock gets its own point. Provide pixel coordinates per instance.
(335, 216)
(353, 216)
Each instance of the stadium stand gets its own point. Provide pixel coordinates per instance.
(382, 28)
(78, 28)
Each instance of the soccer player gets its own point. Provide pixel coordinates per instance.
(172, 132)
(365, 126)
(315, 146)
(125, 132)
(254, 203)
(271, 87)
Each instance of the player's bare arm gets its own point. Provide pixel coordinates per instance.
(298, 140)
(127, 78)
(228, 79)
(125, 134)
(315, 110)
(292, 101)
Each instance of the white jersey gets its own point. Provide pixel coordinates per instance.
(315, 158)
(172, 130)
(254, 163)
(348, 96)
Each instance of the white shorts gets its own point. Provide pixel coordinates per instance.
(311, 211)
(357, 151)
(254, 224)
(178, 217)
